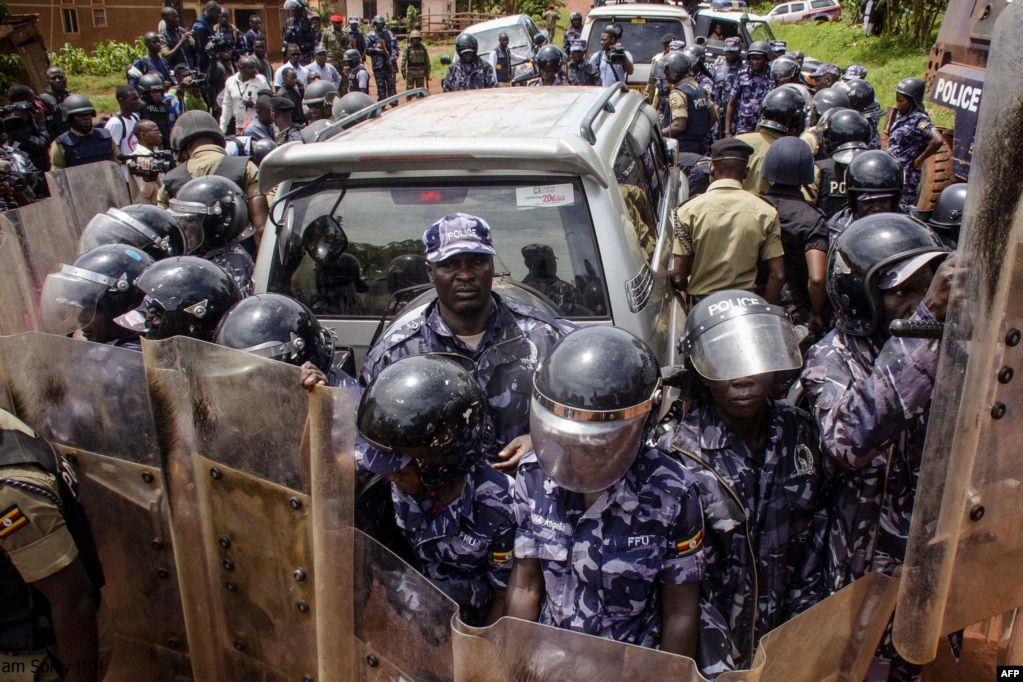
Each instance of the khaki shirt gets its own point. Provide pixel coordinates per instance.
(761, 141)
(58, 160)
(727, 231)
(204, 161)
(32, 529)
(677, 100)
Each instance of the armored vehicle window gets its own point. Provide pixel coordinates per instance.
(541, 230)
(640, 36)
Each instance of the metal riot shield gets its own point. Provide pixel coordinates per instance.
(19, 309)
(90, 400)
(966, 542)
(230, 427)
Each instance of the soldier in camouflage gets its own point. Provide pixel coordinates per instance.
(452, 508)
(468, 72)
(382, 48)
(743, 111)
(725, 73)
(761, 480)
(336, 40)
(610, 532)
(499, 341)
(415, 63)
(870, 394)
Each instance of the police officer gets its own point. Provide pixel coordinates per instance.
(288, 130)
(782, 113)
(542, 275)
(574, 31)
(873, 184)
(578, 71)
(724, 233)
(358, 77)
(82, 143)
(185, 296)
(947, 216)
(692, 114)
(500, 340)
(788, 166)
(54, 625)
(146, 227)
(318, 100)
(355, 37)
(549, 60)
(750, 87)
(843, 135)
(468, 72)
(823, 101)
(95, 291)
(415, 63)
(760, 473)
(610, 532)
(154, 108)
(353, 103)
(861, 98)
(825, 76)
(213, 210)
(382, 49)
(427, 420)
(298, 29)
(870, 394)
(912, 138)
(726, 72)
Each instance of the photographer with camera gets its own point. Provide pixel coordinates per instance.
(190, 89)
(613, 61)
(25, 125)
(18, 178)
(147, 163)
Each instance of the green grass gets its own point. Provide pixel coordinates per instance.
(99, 89)
(888, 59)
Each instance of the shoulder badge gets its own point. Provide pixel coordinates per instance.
(11, 521)
(691, 545)
(804, 460)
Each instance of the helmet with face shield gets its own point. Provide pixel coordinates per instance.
(147, 227)
(277, 327)
(426, 410)
(101, 283)
(212, 211)
(594, 396)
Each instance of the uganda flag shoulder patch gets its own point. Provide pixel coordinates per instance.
(502, 557)
(687, 547)
(11, 519)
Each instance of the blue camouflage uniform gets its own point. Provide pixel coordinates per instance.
(603, 566)
(235, 261)
(871, 402)
(748, 90)
(538, 81)
(873, 113)
(765, 519)
(464, 548)
(382, 49)
(838, 222)
(908, 137)
(571, 35)
(300, 31)
(517, 338)
(576, 74)
(476, 75)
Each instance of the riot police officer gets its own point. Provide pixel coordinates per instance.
(844, 134)
(873, 184)
(82, 143)
(782, 113)
(591, 488)
(143, 226)
(382, 49)
(469, 72)
(691, 112)
(861, 98)
(750, 87)
(319, 100)
(912, 138)
(947, 216)
(358, 77)
(549, 60)
(573, 32)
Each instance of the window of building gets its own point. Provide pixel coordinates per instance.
(99, 16)
(70, 17)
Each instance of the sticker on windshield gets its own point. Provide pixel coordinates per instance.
(544, 196)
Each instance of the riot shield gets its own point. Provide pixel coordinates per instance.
(966, 542)
(230, 427)
(87, 190)
(18, 298)
(90, 400)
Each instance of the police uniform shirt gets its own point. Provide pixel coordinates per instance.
(761, 141)
(32, 530)
(726, 230)
(58, 160)
(677, 100)
(204, 161)
(603, 566)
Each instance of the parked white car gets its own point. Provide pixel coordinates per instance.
(805, 10)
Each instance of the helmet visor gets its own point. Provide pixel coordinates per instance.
(191, 216)
(116, 227)
(745, 345)
(584, 457)
(69, 300)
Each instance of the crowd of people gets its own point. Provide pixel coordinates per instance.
(514, 459)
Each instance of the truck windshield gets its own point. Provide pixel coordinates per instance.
(541, 231)
(640, 36)
(759, 30)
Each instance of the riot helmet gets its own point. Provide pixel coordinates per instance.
(185, 296)
(351, 103)
(784, 70)
(277, 327)
(697, 54)
(406, 271)
(379, 21)
(427, 410)
(947, 216)
(759, 47)
(861, 93)
(676, 66)
(733, 334)
(76, 104)
(575, 16)
(788, 161)
(913, 89)
(845, 133)
(829, 98)
(151, 82)
(321, 92)
(466, 42)
(144, 226)
(784, 110)
(873, 174)
(550, 57)
(353, 56)
(193, 125)
(593, 398)
(211, 210)
(101, 281)
(865, 253)
(260, 148)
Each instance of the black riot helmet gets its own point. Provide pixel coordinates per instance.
(76, 104)
(873, 174)
(379, 21)
(697, 54)
(351, 103)
(947, 215)
(321, 92)
(784, 70)
(147, 227)
(788, 161)
(426, 409)
(575, 16)
(732, 334)
(212, 210)
(260, 148)
(914, 89)
(550, 57)
(760, 47)
(185, 296)
(353, 57)
(151, 82)
(861, 93)
(784, 110)
(593, 397)
(829, 98)
(277, 327)
(676, 66)
(845, 133)
(863, 260)
(466, 42)
(101, 281)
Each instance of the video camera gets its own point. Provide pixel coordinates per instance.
(162, 161)
(616, 55)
